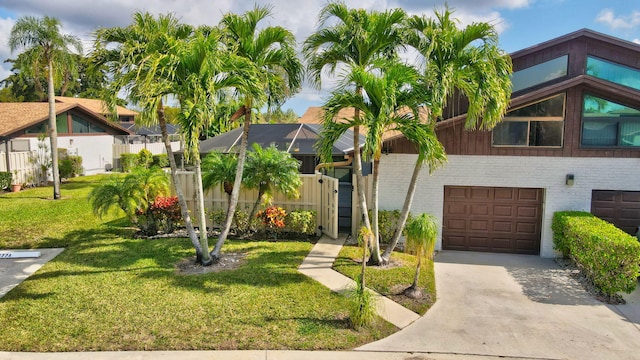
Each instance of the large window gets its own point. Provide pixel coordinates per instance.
(42, 128)
(615, 73)
(609, 124)
(538, 74)
(83, 126)
(538, 124)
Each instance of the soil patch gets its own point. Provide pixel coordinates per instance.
(227, 261)
(576, 273)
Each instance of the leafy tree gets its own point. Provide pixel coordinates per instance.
(421, 232)
(356, 39)
(271, 170)
(271, 51)
(466, 60)
(44, 44)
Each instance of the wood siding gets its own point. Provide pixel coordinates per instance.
(458, 141)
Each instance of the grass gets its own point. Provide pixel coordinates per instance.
(391, 280)
(109, 291)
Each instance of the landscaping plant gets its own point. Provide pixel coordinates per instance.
(272, 219)
(421, 233)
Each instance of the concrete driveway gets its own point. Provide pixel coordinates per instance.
(517, 306)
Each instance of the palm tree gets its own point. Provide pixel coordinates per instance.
(390, 100)
(219, 169)
(269, 170)
(466, 60)
(133, 193)
(142, 58)
(421, 232)
(42, 40)
(271, 51)
(357, 39)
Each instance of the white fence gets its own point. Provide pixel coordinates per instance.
(20, 166)
(155, 148)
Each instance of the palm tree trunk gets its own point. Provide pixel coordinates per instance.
(215, 254)
(417, 275)
(53, 134)
(254, 209)
(402, 220)
(204, 241)
(176, 183)
(375, 258)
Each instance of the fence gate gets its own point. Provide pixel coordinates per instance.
(329, 206)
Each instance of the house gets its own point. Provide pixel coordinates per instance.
(81, 131)
(569, 141)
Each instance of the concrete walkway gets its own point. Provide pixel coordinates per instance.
(317, 265)
(14, 271)
(518, 306)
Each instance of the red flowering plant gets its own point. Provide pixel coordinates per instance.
(162, 214)
(272, 219)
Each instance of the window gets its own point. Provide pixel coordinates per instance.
(609, 124)
(615, 73)
(538, 124)
(82, 126)
(61, 124)
(541, 73)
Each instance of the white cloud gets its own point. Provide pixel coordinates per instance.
(608, 17)
(637, 41)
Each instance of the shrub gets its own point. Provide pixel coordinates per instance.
(301, 221)
(128, 161)
(160, 160)
(607, 255)
(5, 180)
(387, 220)
(163, 214)
(70, 166)
(144, 158)
(272, 219)
(362, 306)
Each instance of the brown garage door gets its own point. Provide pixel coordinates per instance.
(492, 219)
(621, 208)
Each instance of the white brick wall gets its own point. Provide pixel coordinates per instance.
(547, 173)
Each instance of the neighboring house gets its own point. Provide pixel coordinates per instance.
(80, 130)
(570, 141)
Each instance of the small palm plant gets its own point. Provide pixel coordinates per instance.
(362, 305)
(421, 233)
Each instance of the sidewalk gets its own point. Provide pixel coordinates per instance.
(317, 265)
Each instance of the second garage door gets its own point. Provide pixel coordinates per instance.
(621, 208)
(492, 219)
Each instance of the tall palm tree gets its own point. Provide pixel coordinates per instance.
(421, 232)
(272, 53)
(390, 99)
(270, 170)
(466, 60)
(142, 58)
(42, 39)
(357, 39)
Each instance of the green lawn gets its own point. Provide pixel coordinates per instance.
(109, 291)
(391, 280)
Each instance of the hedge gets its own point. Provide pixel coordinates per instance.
(387, 220)
(128, 161)
(5, 180)
(607, 255)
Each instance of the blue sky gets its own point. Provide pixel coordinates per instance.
(520, 23)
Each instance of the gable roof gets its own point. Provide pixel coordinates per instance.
(18, 116)
(95, 105)
(294, 138)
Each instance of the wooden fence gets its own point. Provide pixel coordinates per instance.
(21, 167)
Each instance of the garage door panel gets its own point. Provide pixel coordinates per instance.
(630, 197)
(502, 227)
(530, 212)
(503, 210)
(479, 210)
(495, 219)
(504, 194)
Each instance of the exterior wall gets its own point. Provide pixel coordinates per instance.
(96, 150)
(547, 173)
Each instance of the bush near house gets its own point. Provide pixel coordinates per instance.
(160, 160)
(387, 220)
(607, 255)
(70, 166)
(5, 180)
(128, 161)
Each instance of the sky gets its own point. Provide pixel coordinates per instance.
(520, 23)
